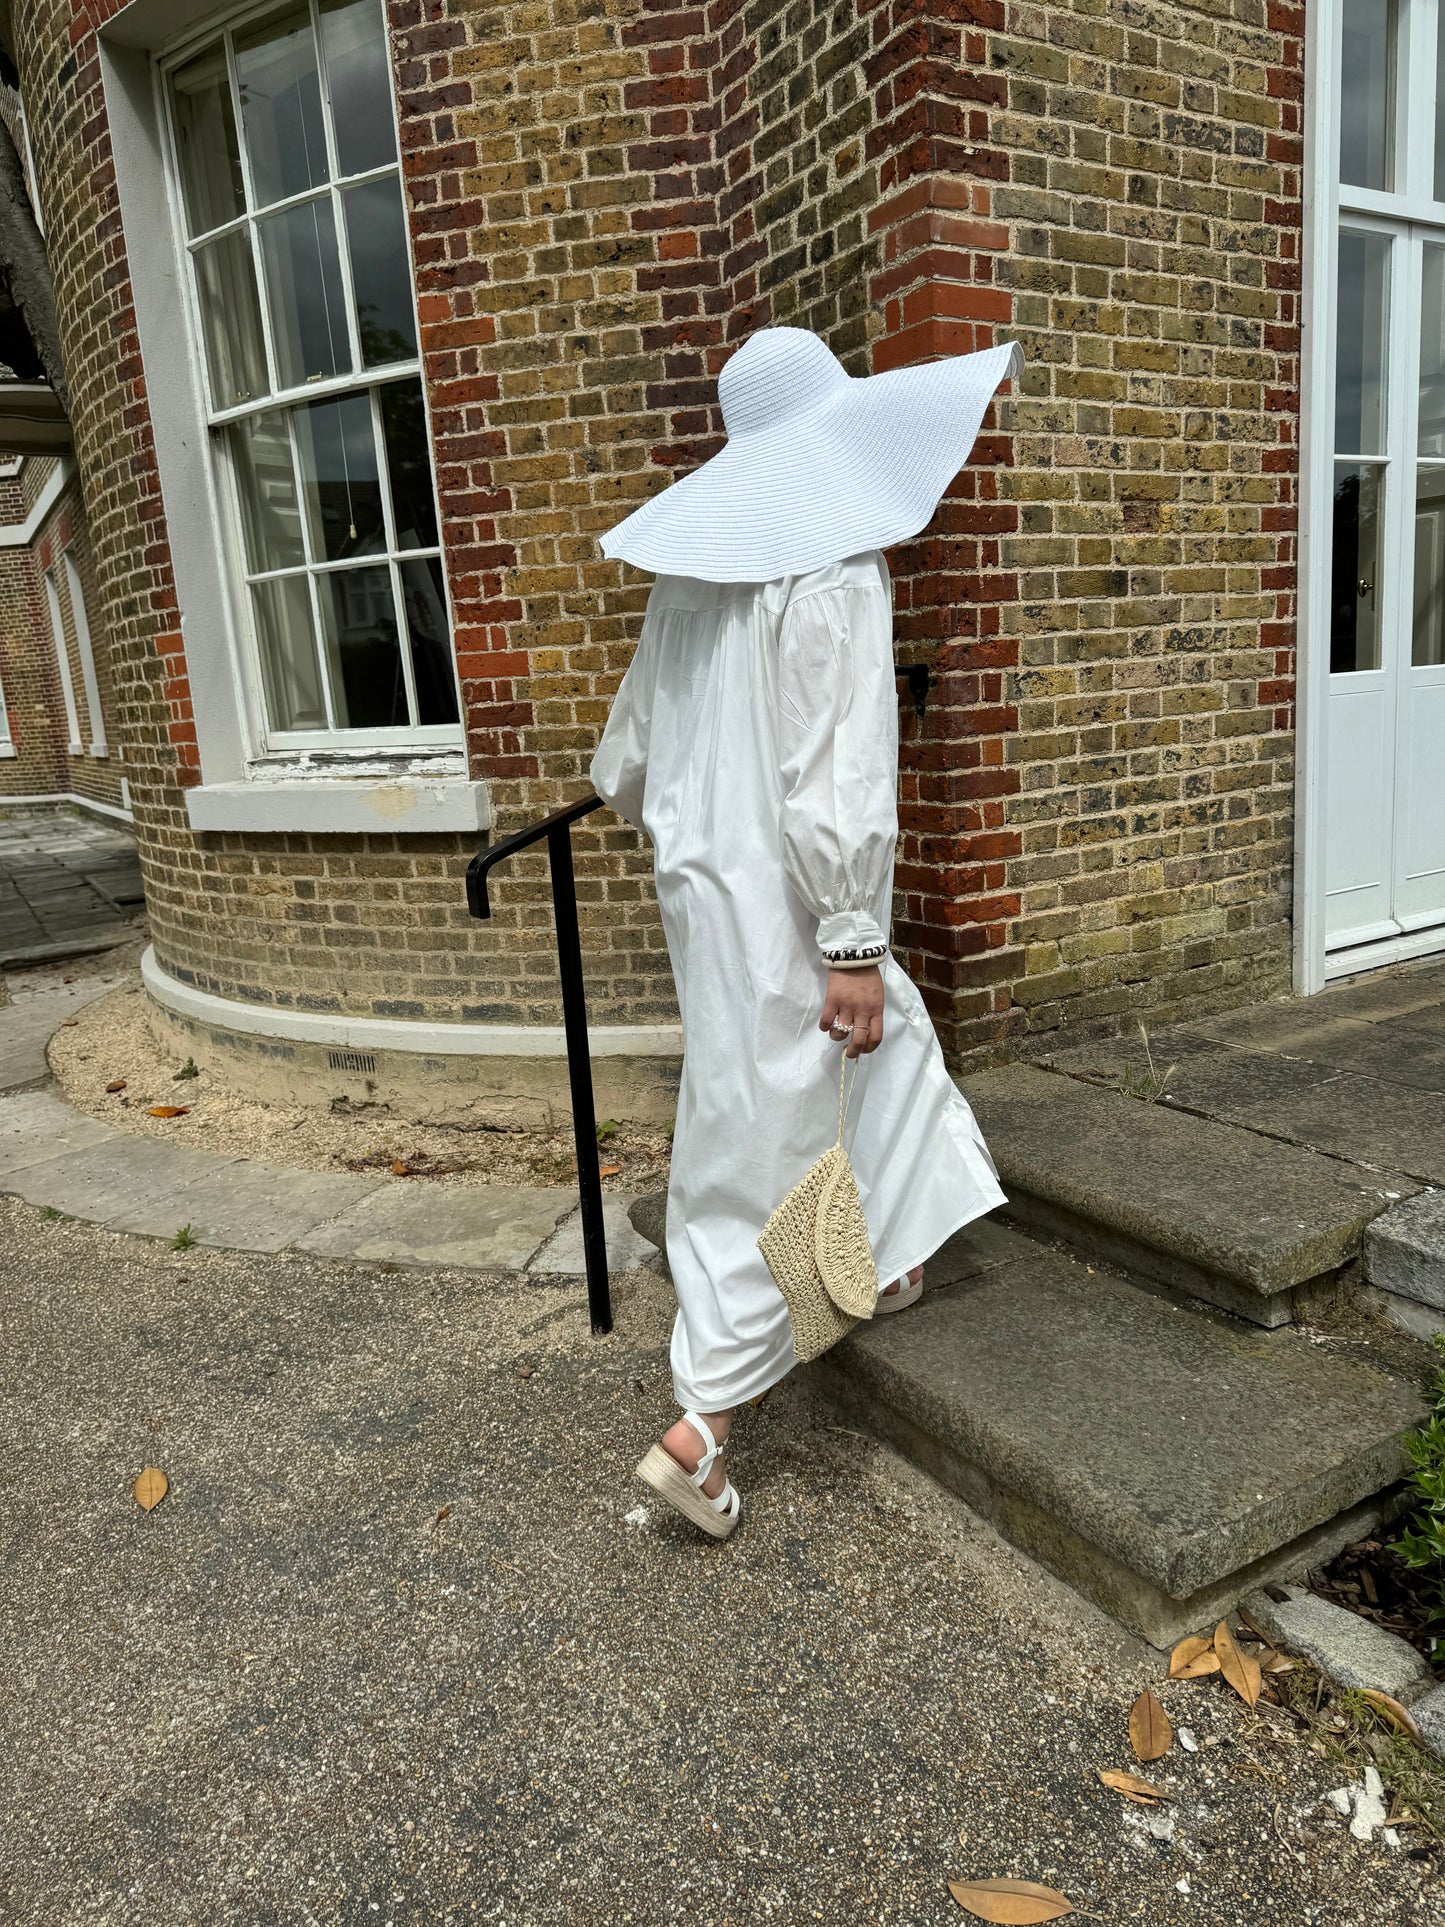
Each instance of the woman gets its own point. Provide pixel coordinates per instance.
(755, 740)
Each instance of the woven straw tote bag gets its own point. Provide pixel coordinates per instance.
(817, 1248)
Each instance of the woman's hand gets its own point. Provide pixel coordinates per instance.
(855, 997)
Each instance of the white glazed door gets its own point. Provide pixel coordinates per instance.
(1385, 801)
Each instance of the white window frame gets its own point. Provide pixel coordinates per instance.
(1329, 203)
(74, 745)
(361, 381)
(80, 620)
(409, 788)
(7, 741)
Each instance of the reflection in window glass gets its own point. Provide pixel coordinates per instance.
(339, 478)
(376, 239)
(206, 145)
(1355, 567)
(1367, 94)
(1432, 350)
(408, 462)
(281, 107)
(231, 319)
(266, 485)
(1360, 343)
(1427, 643)
(363, 650)
(286, 640)
(303, 284)
(431, 648)
(353, 41)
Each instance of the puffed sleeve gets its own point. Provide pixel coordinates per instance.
(619, 764)
(838, 751)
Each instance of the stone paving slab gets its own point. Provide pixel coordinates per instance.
(249, 1206)
(1387, 1125)
(626, 1246)
(139, 1179)
(28, 1024)
(1213, 1209)
(1348, 1649)
(480, 1226)
(1405, 1249)
(1225, 1082)
(35, 1127)
(1151, 1454)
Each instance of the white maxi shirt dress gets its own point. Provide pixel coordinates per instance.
(754, 739)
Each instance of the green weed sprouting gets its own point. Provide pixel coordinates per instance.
(1422, 1544)
(189, 1069)
(1150, 1087)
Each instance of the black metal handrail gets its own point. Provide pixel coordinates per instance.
(557, 829)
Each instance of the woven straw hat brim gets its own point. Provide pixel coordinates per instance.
(862, 470)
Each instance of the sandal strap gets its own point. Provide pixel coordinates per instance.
(711, 1450)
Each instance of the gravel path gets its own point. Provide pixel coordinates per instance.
(391, 1652)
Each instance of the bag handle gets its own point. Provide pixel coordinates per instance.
(844, 1102)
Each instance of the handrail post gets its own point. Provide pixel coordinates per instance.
(579, 1075)
(557, 829)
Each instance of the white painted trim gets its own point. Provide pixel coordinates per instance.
(7, 748)
(1374, 956)
(423, 1039)
(19, 535)
(340, 806)
(1317, 377)
(62, 662)
(66, 796)
(81, 622)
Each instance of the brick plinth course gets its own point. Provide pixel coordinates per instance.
(605, 199)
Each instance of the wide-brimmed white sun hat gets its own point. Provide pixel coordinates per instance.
(819, 464)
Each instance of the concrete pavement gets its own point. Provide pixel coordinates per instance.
(405, 1643)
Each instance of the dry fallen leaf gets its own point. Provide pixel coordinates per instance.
(168, 1110)
(1150, 1733)
(1279, 1663)
(609, 1170)
(1240, 1669)
(69, 1023)
(1014, 1903)
(400, 1168)
(1132, 1787)
(1184, 1660)
(150, 1488)
(524, 1371)
(444, 1512)
(118, 1085)
(1394, 1713)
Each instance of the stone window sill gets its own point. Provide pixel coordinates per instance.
(342, 806)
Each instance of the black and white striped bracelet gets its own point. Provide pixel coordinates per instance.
(856, 959)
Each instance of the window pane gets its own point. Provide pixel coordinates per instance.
(206, 147)
(408, 461)
(1428, 642)
(285, 637)
(1360, 344)
(281, 107)
(362, 649)
(1355, 567)
(1367, 94)
(339, 478)
(376, 237)
(231, 320)
(266, 485)
(303, 287)
(1432, 349)
(358, 78)
(1440, 105)
(431, 642)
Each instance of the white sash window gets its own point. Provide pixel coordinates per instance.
(283, 147)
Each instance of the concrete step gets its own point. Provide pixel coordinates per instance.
(1162, 1459)
(1240, 1220)
(1405, 1262)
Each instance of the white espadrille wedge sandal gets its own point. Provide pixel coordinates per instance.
(908, 1293)
(683, 1489)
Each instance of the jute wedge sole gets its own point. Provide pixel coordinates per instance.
(661, 1471)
